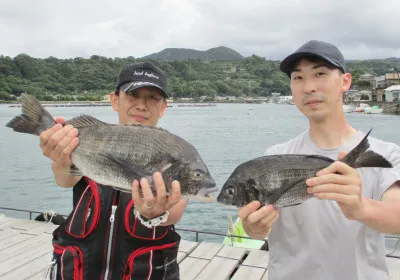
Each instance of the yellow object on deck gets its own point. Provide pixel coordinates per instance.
(238, 230)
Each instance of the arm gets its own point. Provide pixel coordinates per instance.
(61, 176)
(384, 215)
(343, 184)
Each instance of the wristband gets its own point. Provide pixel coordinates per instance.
(152, 222)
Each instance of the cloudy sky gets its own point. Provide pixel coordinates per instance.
(271, 28)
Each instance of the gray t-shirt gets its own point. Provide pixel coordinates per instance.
(314, 240)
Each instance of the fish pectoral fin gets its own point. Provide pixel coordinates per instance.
(166, 167)
(74, 171)
(85, 121)
(250, 191)
(132, 171)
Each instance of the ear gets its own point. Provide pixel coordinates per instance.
(163, 107)
(347, 79)
(114, 101)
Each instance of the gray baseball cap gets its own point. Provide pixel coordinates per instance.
(325, 51)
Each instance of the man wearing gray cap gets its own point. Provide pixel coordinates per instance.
(102, 238)
(339, 234)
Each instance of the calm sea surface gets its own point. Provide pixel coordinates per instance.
(225, 135)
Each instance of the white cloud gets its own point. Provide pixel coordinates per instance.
(270, 28)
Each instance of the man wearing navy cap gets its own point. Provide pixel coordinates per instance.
(339, 234)
(102, 238)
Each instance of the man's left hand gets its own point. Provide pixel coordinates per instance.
(344, 188)
(148, 205)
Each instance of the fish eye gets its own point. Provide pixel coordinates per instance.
(197, 173)
(230, 190)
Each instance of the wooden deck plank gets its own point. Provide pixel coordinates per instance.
(43, 228)
(218, 269)
(206, 250)
(24, 246)
(190, 267)
(14, 239)
(394, 268)
(5, 220)
(9, 232)
(181, 256)
(31, 226)
(265, 277)
(34, 266)
(24, 259)
(391, 244)
(187, 246)
(257, 258)
(248, 273)
(37, 276)
(25, 252)
(232, 252)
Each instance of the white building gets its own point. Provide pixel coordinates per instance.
(392, 93)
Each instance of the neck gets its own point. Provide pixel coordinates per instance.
(332, 132)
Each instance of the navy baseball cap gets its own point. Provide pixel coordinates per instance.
(325, 51)
(143, 74)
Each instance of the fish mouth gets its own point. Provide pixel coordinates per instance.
(204, 194)
(207, 191)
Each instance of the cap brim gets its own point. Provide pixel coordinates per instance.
(288, 63)
(135, 85)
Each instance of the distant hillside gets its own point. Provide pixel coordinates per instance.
(91, 78)
(180, 54)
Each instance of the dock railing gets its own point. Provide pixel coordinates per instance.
(196, 232)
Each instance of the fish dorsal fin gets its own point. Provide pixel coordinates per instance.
(85, 121)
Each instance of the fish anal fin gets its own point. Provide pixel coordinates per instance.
(85, 121)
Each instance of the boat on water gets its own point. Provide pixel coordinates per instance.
(361, 107)
(197, 105)
(373, 110)
(348, 108)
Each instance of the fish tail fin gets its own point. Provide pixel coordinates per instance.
(360, 157)
(34, 118)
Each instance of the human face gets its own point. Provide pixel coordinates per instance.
(145, 106)
(317, 90)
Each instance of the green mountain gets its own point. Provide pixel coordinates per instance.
(180, 54)
(216, 72)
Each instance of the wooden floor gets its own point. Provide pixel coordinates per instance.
(25, 252)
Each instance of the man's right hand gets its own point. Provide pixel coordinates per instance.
(257, 222)
(58, 142)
